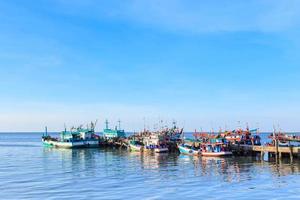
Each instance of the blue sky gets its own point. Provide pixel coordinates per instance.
(203, 63)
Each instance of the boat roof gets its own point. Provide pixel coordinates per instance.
(77, 132)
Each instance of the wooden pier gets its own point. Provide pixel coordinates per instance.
(291, 151)
(277, 151)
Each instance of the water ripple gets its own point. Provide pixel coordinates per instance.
(30, 171)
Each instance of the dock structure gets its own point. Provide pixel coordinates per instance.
(291, 151)
(242, 149)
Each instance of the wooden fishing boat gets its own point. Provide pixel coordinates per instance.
(161, 149)
(216, 154)
(188, 150)
(155, 142)
(136, 146)
(75, 138)
(113, 133)
(285, 137)
(233, 138)
(283, 143)
(240, 136)
(156, 149)
(70, 144)
(216, 149)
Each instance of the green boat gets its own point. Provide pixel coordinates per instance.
(113, 133)
(136, 146)
(75, 138)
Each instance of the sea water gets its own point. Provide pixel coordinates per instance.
(30, 171)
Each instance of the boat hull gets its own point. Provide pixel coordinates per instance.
(161, 150)
(188, 151)
(70, 145)
(216, 154)
(135, 148)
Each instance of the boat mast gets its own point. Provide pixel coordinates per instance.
(46, 131)
(274, 132)
(119, 122)
(174, 124)
(106, 124)
(144, 119)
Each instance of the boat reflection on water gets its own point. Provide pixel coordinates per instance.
(228, 169)
(153, 160)
(121, 164)
(157, 161)
(238, 169)
(75, 160)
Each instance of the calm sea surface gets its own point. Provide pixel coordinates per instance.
(30, 171)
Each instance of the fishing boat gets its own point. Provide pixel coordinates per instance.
(161, 149)
(136, 146)
(215, 148)
(75, 138)
(285, 137)
(216, 154)
(113, 133)
(283, 143)
(244, 137)
(174, 134)
(155, 142)
(188, 150)
(233, 138)
(156, 148)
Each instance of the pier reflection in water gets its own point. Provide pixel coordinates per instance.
(116, 164)
(113, 168)
(32, 171)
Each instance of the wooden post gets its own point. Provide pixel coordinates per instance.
(291, 151)
(262, 154)
(276, 148)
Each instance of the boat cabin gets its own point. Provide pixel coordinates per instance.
(76, 135)
(113, 133)
(153, 139)
(213, 148)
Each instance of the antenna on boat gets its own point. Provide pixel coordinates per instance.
(274, 131)
(95, 124)
(46, 131)
(239, 125)
(119, 122)
(144, 119)
(174, 124)
(279, 129)
(65, 127)
(106, 124)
